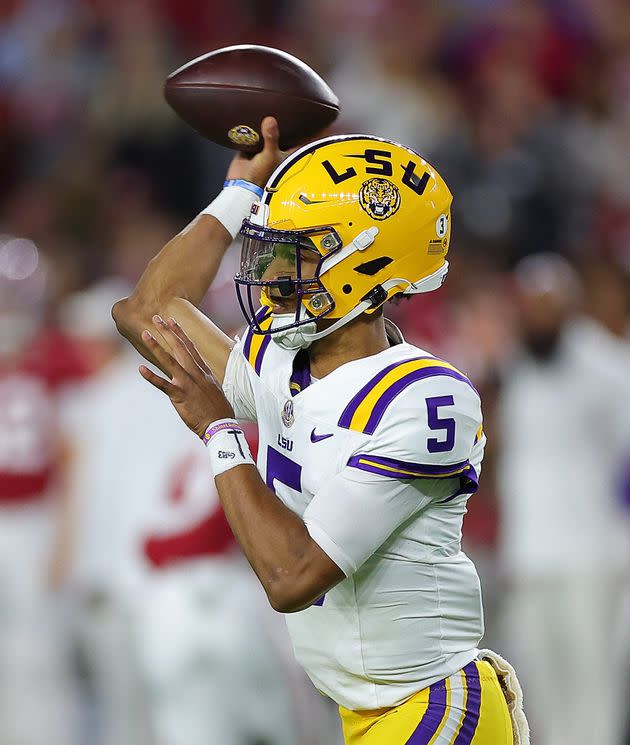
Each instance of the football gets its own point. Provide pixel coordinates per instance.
(225, 94)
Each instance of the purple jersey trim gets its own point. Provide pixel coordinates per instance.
(301, 375)
(468, 484)
(401, 469)
(433, 716)
(407, 469)
(261, 315)
(248, 344)
(394, 389)
(473, 706)
(349, 411)
(261, 354)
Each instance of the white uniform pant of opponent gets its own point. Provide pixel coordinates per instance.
(213, 675)
(37, 693)
(560, 635)
(115, 710)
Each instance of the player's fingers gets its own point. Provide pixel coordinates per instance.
(162, 328)
(271, 134)
(177, 347)
(166, 361)
(156, 380)
(188, 343)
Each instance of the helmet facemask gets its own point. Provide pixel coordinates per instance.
(280, 269)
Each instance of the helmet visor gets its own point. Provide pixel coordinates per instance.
(280, 270)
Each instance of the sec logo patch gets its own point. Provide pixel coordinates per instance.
(243, 135)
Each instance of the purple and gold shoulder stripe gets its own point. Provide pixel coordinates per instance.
(406, 470)
(367, 407)
(256, 345)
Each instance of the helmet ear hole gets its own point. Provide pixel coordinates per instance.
(372, 267)
(347, 289)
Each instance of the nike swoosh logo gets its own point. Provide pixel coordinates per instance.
(318, 438)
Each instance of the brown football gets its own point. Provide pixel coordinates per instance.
(225, 94)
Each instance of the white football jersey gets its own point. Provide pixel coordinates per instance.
(379, 459)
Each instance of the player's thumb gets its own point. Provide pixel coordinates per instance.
(265, 162)
(271, 135)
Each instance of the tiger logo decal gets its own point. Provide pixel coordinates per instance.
(379, 198)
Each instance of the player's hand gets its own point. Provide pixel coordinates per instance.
(192, 388)
(258, 169)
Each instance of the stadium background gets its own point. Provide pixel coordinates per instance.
(522, 106)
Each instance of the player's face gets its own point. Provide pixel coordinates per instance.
(282, 269)
(542, 318)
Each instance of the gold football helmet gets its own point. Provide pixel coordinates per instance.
(344, 224)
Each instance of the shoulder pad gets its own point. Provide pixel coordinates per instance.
(366, 409)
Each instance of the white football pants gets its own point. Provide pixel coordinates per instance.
(561, 637)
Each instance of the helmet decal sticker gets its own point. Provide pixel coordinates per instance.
(379, 197)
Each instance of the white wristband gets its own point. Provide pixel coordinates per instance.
(227, 446)
(234, 204)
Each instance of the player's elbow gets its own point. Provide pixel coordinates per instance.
(130, 317)
(311, 574)
(278, 603)
(287, 600)
(288, 589)
(121, 313)
(299, 590)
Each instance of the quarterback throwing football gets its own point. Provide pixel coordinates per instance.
(369, 447)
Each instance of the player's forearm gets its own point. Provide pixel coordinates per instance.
(275, 541)
(184, 268)
(178, 276)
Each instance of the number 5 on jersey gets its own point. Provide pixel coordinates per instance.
(440, 423)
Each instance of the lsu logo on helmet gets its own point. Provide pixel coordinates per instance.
(379, 197)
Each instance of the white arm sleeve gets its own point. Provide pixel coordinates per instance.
(237, 385)
(356, 512)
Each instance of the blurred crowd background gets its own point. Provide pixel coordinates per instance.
(127, 615)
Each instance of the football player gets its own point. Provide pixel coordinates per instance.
(369, 447)
(39, 367)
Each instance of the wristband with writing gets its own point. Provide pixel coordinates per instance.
(227, 446)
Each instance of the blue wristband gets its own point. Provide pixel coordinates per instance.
(258, 190)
